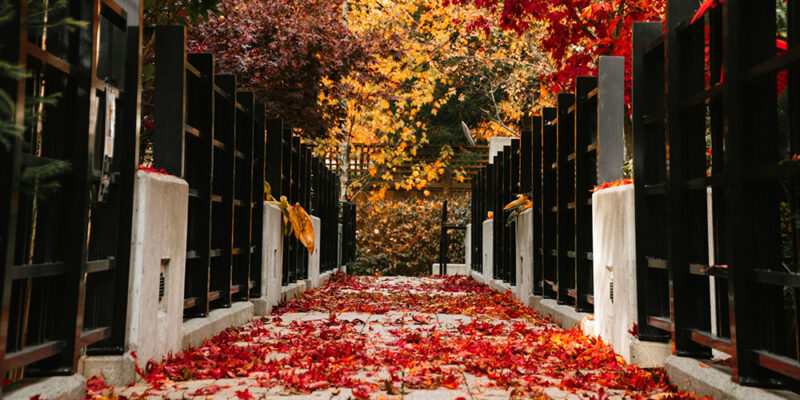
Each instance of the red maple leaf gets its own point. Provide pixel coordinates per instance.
(634, 331)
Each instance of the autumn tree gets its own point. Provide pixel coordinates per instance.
(284, 50)
(436, 75)
(578, 31)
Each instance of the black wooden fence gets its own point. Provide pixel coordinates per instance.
(493, 188)
(555, 161)
(206, 134)
(348, 233)
(716, 134)
(65, 253)
(217, 138)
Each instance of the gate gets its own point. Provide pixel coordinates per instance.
(65, 251)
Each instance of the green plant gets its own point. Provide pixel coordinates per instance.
(36, 180)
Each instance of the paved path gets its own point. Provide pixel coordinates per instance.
(398, 338)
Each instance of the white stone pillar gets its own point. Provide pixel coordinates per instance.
(614, 234)
(158, 254)
(488, 251)
(313, 258)
(271, 260)
(524, 259)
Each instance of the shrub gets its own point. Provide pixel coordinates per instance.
(401, 237)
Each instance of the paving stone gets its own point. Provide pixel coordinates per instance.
(381, 332)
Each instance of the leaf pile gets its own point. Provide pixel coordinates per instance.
(385, 337)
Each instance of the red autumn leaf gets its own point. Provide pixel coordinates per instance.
(634, 331)
(244, 394)
(361, 392)
(207, 391)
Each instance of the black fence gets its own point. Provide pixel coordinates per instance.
(444, 239)
(293, 171)
(555, 161)
(207, 133)
(493, 188)
(715, 141)
(65, 250)
(348, 233)
(217, 138)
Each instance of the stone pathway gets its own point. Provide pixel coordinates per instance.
(397, 338)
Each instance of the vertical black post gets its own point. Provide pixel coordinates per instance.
(257, 199)
(687, 294)
(200, 177)
(511, 230)
(443, 241)
(585, 150)
(286, 182)
(649, 155)
(536, 197)
(565, 204)
(549, 163)
(169, 112)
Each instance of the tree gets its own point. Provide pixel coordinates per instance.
(285, 50)
(577, 31)
(432, 75)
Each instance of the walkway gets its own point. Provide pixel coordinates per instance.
(392, 338)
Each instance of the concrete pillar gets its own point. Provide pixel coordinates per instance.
(524, 256)
(496, 145)
(339, 245)
(615, 266)
(158, 254)
(313, 258)
(468, 247)
(271, 261)
(488, 250)
(611, 118)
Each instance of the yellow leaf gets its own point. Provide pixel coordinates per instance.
(521, 199)
(306, 226)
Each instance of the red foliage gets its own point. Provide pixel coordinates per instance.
(516, 349)
(616, 183)
(578, 31)
(151, 170)
(283, 49)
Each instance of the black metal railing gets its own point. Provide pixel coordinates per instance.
(494, 187)
(444, 239)
(65, 252)
(556, 162)
(217, 138)
(348, 233)
(716, 134)
(205, 133)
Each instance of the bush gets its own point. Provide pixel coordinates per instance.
(401, 237)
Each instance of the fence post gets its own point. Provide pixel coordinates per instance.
(169, 111)
(586, 172)
(565, 168)
(611, 151)
(257, 199)
(648, 101)
(549, 202)
(201, 179)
